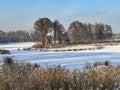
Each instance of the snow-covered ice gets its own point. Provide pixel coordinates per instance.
(70, 59)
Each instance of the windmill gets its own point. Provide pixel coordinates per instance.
(49, 37)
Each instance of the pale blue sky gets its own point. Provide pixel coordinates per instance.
(21, 14)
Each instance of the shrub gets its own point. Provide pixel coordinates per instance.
(4, 52)
(107, 63)
(8, 60)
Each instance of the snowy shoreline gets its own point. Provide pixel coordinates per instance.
(84, 48)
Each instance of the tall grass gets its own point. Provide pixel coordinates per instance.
(26, 76)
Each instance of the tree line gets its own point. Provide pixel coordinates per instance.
(44, 27)
(14, 36)
(78, 32)
(88, 33)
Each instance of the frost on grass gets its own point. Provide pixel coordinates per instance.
(27, 76)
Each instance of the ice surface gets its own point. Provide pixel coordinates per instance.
(70, 59)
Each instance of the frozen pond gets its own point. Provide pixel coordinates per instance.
(69, 59)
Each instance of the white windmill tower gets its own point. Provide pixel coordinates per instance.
(49, 36)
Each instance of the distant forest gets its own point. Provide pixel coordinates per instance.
(77, 32)
(14, 36)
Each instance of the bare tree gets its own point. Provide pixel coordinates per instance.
(60, 35)
(99, 31)
(41, 26)
(78, 32)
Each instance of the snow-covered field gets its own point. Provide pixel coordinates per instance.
(70, 59)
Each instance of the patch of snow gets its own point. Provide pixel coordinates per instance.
(115, 48)
(15, 46)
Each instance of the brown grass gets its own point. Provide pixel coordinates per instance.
(61, 45)
(37, 46)
(99, 47)
(25, 76)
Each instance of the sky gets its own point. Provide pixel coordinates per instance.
(21, 14)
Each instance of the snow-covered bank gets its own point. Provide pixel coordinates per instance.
(83, 48)
(115, 48)
(89, 48)
(15, 46)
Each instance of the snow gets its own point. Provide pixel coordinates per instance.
(115, 48)
(72, 59)
(15, 46)
(82, 47)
